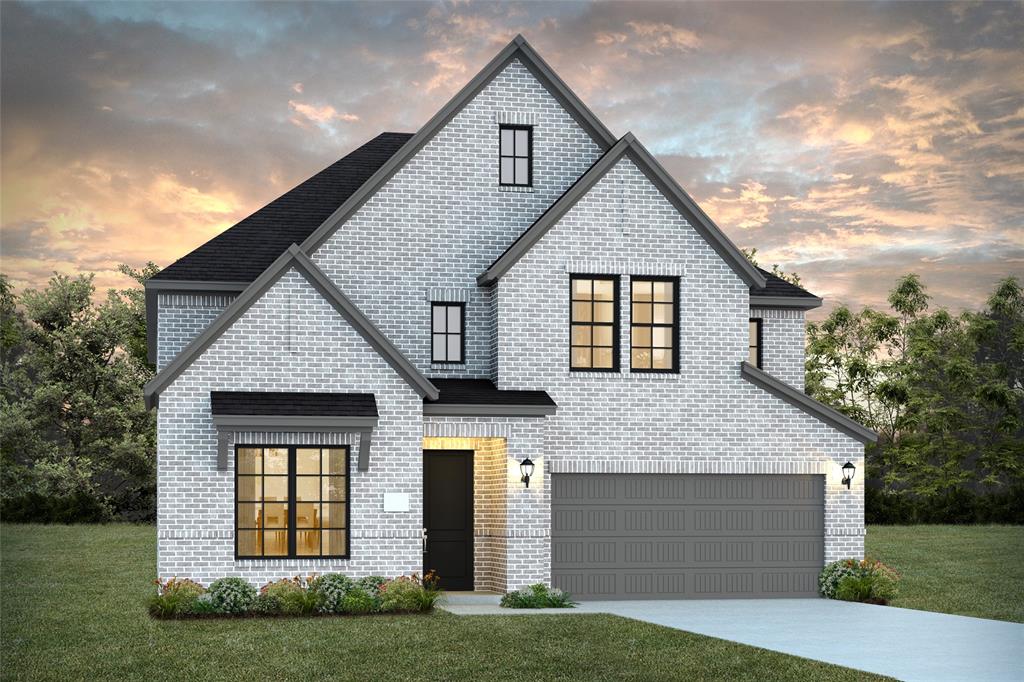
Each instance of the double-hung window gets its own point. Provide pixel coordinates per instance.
(754, 345)
(594, 323)
(515, 156)
(447, 334)
(291, 502)
(654, 324)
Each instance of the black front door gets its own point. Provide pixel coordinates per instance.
(448, 517)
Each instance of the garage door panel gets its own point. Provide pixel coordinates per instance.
(708, 536)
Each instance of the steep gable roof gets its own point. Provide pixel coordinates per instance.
(629, 147)
(519, 49)
(242, 252)
(292, 258)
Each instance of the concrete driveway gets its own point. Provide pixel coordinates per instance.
(901, 643)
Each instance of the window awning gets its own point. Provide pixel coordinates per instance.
(481, 398)
(293, 412)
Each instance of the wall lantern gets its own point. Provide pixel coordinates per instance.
(848, 471)
(526, 467)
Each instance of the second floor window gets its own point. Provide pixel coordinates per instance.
(446, 332)
(754, 350)
(515, 156)
(654, 325)
(594, 323)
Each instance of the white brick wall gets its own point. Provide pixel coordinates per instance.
(782, 340)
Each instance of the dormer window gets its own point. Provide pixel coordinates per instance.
(515, 156)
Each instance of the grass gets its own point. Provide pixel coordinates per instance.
(73, 609)
(967, 570)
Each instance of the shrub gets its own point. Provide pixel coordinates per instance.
(862, 581)
(538, 596)
(408, 594)
(204, 606)
(293, 596)
(232, 595)
(358, 601)
(958, 506)
(175, 598)
(330, 590)
(266, 605)
(371, 584)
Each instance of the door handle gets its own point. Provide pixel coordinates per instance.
(424, 540)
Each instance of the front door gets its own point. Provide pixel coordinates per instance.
(448, 517)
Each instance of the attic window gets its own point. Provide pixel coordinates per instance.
(515, 156)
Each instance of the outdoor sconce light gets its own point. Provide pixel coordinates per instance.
(526, 467)
(848, 471)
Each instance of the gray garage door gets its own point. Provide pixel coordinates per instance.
(628, 536)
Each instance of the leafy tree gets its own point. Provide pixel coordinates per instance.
(791, 277)
(76, 438)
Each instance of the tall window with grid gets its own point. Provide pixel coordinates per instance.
(594, 323)
(654, 324)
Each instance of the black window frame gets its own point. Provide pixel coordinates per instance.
(292, 504)
(760, 341)
(462, 332)
(529, 155)
(652, 325)
(615, 324)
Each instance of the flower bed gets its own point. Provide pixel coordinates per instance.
(537, 596)
(329, 594)
(867, 581)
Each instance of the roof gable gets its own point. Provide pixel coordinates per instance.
(629, 147)
(292, 258)
(519, 49)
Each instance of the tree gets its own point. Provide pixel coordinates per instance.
(76, 437)
(791, 277)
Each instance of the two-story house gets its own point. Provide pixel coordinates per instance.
(509, 348)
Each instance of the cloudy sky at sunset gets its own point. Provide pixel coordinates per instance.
(849, 142)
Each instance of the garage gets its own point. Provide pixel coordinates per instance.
(680, 536)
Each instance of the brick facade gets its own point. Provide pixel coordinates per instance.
(426, 235)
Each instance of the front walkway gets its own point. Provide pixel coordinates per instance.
(901, 643)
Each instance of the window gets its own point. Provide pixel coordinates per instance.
(292, 502)
(654, 325)
(594, 323)
(515, 156)
(754, 350)
(448, 342)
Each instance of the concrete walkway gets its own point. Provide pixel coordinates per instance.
(901, 643)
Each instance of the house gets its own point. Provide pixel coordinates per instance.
(359, 376)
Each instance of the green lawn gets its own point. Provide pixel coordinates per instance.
(969, 570)
(72, 609)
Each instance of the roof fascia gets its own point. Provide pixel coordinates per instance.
(194, 285)
(802, 401)
(291, 422)
(650, 167)
(553, 214)
(797, 302)
(292, 257)
(518, 48)
(700, 221)
(476, 410)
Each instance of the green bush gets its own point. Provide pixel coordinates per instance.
(266, 605)
(359, 601)
(175, 598)
(292, 596)
(232, 595)
(330, 590)
(538, 596)
(959, 506)
(854, 588)
(371, 584)
(408, 594)
(861, 581)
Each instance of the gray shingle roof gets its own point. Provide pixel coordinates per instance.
(484, 392)
(293, 404)
(242, 252)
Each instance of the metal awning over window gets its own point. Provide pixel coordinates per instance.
(293, 412)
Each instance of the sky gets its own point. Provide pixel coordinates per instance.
(849, 142)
